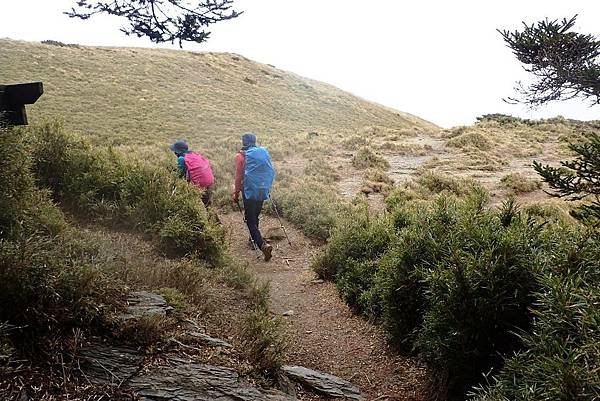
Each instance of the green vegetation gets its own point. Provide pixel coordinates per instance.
(50, 278)
(519, 183)
(112, 188)
(310, 205)
(61, 283)
(454, 281)
(578, 179)
(377, 180)
(436, 183)
(365, 157)
(467, 139)
(264, 343)
(560, 359)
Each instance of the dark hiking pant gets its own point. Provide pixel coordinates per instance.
(252, 209)
(207, 196)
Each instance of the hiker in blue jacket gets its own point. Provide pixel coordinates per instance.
(254, 175)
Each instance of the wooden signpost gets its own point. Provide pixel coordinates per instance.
(13, 99)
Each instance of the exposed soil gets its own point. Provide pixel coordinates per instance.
(323, 333)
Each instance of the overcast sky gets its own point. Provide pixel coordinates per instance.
(440, 60)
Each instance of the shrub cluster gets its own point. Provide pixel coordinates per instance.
(561, 357)
(110, 187)
(520, 183)
(49, 276)
(450, 279)
(468, 139)
(310, 205)
(365, 157)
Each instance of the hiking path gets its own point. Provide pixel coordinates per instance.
(323, 333)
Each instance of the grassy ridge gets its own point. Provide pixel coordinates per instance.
(141, 96)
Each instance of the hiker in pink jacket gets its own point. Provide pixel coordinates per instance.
(195, 168)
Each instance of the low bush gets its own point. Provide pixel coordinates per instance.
(321, 170)
(264, 342)
(365, 157)
(436, 183)
(145, 331)
(547, 211)
(377, 181)
(448, 279)
(49, 276)
(518, 183)
(310, 205)
(355, 142)
(478, 293)
(356, 238)
(468, 139)
(399, 196)
(561, 358)
(109, 187)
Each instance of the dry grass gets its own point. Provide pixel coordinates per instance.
(519, 183)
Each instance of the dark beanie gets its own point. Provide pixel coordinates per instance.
(179, 147)
(248, 140)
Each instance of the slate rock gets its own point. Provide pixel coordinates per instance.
(323, 383)
(103, 364)
(186, 381)
(208, 340)
(143, 303)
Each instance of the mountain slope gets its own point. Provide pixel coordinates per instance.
(142, 94)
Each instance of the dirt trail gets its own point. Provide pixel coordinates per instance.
(323, 333)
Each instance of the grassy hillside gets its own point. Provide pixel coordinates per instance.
(142, 96)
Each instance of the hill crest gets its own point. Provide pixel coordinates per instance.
(103, 91)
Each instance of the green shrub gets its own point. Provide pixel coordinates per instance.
(378, 181)
(547, 212)
(174, 298)
(366, 158)
(264, 341)
(519, 183)
(310, 205)
(437, 183)
(561, 360)
(398, 197)
(109, 187)
(451, 281)
(356, 238)
(477, 295)
(48, 274)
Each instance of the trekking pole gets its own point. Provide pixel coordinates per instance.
(251, 239)
(280, 223)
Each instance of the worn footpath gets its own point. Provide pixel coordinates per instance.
(323, 333)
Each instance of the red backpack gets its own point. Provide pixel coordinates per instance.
(199, 171)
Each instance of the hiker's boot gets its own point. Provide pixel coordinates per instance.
(267, 249)
(251, 244)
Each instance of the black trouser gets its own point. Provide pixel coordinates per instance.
(207, 196)
(252, 209)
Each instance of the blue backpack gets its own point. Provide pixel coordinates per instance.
(259, 174)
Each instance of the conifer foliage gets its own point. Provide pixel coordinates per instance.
(161, 20)
(566, 65)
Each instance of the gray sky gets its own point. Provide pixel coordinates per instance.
(440, 60)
